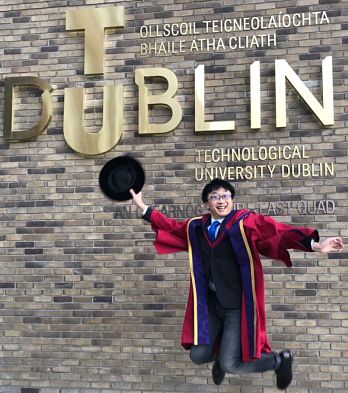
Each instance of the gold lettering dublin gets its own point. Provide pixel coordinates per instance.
(94, 21)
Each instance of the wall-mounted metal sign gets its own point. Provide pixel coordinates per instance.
(94, 22)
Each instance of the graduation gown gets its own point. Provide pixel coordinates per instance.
(250, 234)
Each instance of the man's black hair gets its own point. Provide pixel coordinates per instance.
(215, 185)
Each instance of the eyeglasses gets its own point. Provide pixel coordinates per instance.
(217, 197)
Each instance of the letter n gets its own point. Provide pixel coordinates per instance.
(324, 113)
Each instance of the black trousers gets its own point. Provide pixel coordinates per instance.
(225, 323)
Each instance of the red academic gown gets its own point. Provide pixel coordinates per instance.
(251, 234)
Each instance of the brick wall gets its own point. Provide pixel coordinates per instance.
(85, 304)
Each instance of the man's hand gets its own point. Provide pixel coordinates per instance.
(138, 200)
(331, 244)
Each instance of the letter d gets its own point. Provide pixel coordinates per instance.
(10, 84)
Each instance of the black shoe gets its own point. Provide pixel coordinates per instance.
(284, 372)
(217, 373)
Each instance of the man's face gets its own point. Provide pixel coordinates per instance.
(219, 203)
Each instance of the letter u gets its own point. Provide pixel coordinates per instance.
(77, 137)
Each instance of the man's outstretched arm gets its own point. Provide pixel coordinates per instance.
(273, 239)
(171, 233)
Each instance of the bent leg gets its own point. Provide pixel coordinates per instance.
(230, 356)
(200, 354)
